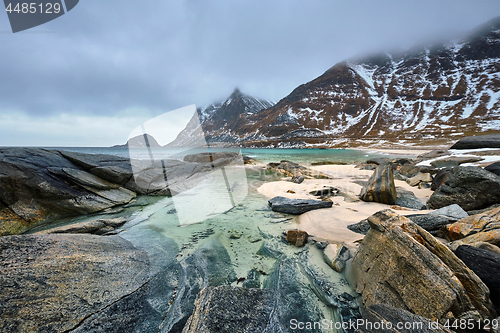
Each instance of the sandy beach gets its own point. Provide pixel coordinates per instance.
(330, 224)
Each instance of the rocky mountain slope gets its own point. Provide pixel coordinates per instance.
(446, 90)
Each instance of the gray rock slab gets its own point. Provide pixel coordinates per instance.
(297, 206)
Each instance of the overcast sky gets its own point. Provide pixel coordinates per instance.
(94, 74)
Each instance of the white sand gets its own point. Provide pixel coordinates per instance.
(330, 224)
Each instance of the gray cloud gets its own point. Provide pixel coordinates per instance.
(142, 58)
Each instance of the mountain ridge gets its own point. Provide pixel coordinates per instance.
(443, 91)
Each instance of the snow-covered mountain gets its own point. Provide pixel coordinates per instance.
(224, 122)
(446, 90)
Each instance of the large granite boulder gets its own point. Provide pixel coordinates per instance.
(297, 206)
(380, 187)
(169, 177)
(486, 265)
(478, 141)
(430, 222)
(402, 265)
(469, 187)
(39, 185)
(454, 212)
(52, 283)
(435, 220)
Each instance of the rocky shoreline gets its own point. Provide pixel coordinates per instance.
(41, 185)
(436, 267)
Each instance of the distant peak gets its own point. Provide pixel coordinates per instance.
(236, 93)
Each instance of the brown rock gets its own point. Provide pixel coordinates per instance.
(296, 237)
(396, 207)
(492, 237)
(419, 178)
(402, 265)
(294, 170)
(380, 187)
(484, 222)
